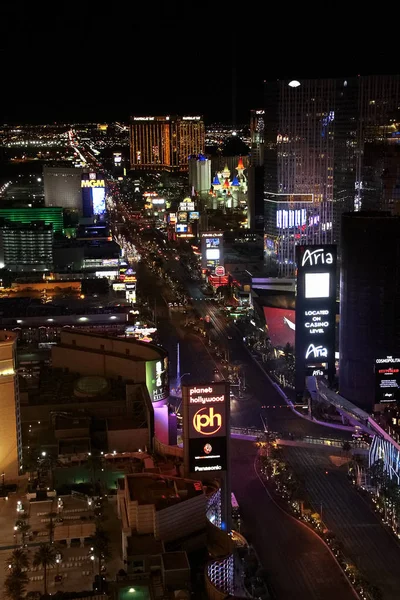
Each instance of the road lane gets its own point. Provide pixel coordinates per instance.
(297, 562)
(365, 541)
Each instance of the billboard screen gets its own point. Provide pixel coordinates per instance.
(181, 228)
(182, 217)
(206, 426)
(281, 326)
(157, 381)
(315, 312)
(207, 455)
(93, 194)
(212, 242)
(194, 216)
(212, 249)
(387, 379)
(212, 253)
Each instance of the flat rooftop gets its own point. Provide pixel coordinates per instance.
(152, 488)
(56, 386)
(175, 560)
(140, 545)
(140, 592)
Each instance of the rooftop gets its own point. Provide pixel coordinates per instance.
(57, 386)
(151, 488)
(140, 545)
(175, 560)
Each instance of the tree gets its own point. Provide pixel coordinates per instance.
(23, 528)
(51, 525)
(15, 584)
(18, 560)
(45, 556)
(100, 543)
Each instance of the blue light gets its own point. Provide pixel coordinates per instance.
(99, 200)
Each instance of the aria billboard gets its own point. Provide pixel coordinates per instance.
(206, 427)
(315, 312)
(387, 379)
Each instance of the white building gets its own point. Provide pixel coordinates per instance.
(62, 187)
(199, 174)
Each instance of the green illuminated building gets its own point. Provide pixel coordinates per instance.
(49, 215)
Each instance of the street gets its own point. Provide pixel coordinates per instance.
(297, 562)
(365, 541)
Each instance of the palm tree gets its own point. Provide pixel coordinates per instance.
(23, 528)
(18, 560)
(100, 543)
(51, 525)
(45, 556)
(15, 584)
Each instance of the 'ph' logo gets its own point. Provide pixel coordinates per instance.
(207, 423)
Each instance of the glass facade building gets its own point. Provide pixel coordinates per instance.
(338, 139)
(165, 143)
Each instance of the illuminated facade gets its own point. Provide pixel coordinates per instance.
(257, 126)
(10, 423)
(26, 247)
(165, 143)
(49, 215)
(336, 139)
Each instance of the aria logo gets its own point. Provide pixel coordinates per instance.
(317, 257)
(316, 351)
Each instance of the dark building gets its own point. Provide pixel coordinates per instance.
(369, 300)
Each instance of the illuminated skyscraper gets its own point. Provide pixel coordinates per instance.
(10, 423)
(257, 126)
(338, 139)
(165, 143)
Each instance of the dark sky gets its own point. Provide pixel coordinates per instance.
(91, 61)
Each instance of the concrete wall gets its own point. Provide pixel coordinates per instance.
(127, 440)
(98, 363)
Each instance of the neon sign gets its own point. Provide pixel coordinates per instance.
(316, 257)
(316, 351)
(206, 422)
(94, 183)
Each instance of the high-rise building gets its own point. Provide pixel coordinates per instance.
(257, 126)
(165, 143)
(199, 174)
(10, 422)
(49, 215)
(338, 139)
(26, 247)
(62, 187)
(369, 300)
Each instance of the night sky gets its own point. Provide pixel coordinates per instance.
(73, 61)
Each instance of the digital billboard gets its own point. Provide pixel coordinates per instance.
(93, 194)
(212, 245)
(387, 379)
(280, 324)
(194, 216)
(206, 426)
(157, 379)
(181, 228)
(182, 217)
(315, 312)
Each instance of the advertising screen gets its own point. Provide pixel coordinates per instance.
(181, 228)
(194, 216)
(172, 218)
(93, 194)
(157, 379)
(387, 379)
(212, 254)
(182, 217)
(315, 312)
(206, 426)
(212, 242)
(281, 326)
(207, 455)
